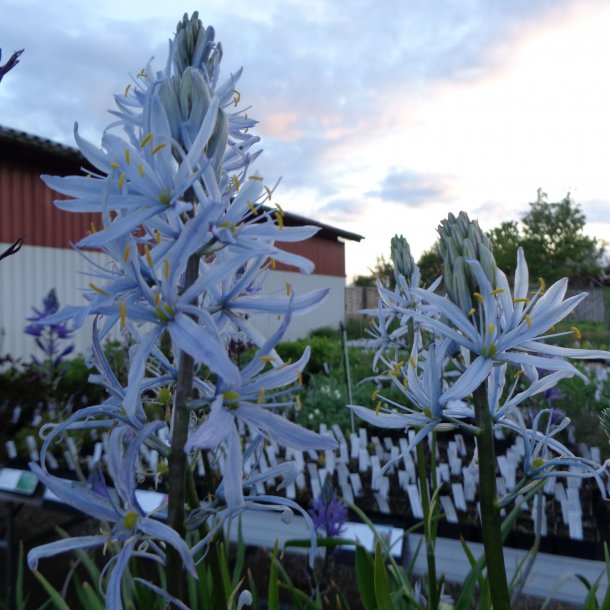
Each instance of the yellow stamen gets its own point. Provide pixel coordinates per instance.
(521, 300)
(377, 407)
(157, 148)
(127, 156)
(268, 191)
(236, 97)
(164, 197)
(497, 291)
(490, 328)
(142, 73)
(235, 182)
(123, 314)
(92, 228)
(478, 297)
(158, 236)
(472, 311)
(260, 178)
(166, 268)
(542, 284)
(268, 358)
(98, 289)
(149, 259)
(300, 378)
(252, 208)
(375, 394)
(405, 382)
(126, 253)
(272, 263)
(121, 181)
(115, 165)
(576, 332)
(126, 92)
(141, 170)
(280, 220)
(145, 140)
(412, 362)
(297, 400)
(288, 289)
(279, 209)
(538, 462)
(528, 319)
(492, 350)
(261, 396)
(130, 519)
(157, 298)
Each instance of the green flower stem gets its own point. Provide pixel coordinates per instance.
(490, 512)
(177, 457)
(429, 535)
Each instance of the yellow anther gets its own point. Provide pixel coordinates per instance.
(268, 358)
(157, 148)
(375, 394)
(576, 332)
(123, 314)
(377, 407)
(98, 289)
(121, 181)
(230, 396)
(158, 236)
(542, 284)
(479, 297)
(297, 400)
(405, 382)
(288, 289)
(126, 253)
(141, 170)
(300, 378)
(252, 208)
(490, 328)
(521, 300)
(272, 263)
(148, 256)
(126, 92)
(519, 373)
(261, 396)
(472, 311)
(164, 196)
(157, 298)
(235, 182)
(268, 191)
(236, 97)
(412, 362)
(538, 462)
(92, 228)
(279, 209)
(528, 319)
(492, 350)
(146, 140)
(253, 177)
(127, 156)
(497, 291)
(280, 220)
(166, 268)
(130, 519)
(114, 165)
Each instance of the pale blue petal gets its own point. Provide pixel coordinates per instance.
(113, 592)
(214, 430)
(469, 380)
(381, 420)
(61, 546)
(160, 531)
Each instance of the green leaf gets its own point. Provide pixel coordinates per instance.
(365, 578)
(238, 568)
(382, 589)
(273, 592)
(55, 596)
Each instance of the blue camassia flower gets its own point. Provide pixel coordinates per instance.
(130, 525)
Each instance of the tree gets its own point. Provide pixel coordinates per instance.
(430, 265)
(553, 240)
(383, 270)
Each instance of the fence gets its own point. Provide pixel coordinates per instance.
(593, 308)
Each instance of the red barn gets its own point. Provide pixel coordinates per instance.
(46, 260)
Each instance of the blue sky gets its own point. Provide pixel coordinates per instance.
(381, 117)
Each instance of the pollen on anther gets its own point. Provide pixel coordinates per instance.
(123, 314)
(145, 140)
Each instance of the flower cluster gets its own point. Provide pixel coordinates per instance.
(440, 349)
(189, 228)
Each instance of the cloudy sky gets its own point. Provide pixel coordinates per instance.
(380, 116)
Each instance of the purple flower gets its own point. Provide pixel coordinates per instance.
(328, 513)
(11, 63)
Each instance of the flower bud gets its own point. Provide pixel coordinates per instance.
(460, 239)
(400, 253)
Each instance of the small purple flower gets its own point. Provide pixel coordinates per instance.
(328, 513)
(11, 63)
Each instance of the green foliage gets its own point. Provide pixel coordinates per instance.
(326, 332)
(430, 265)
(383, 270)
(553, 239)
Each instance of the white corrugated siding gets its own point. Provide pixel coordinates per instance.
(28, 276)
